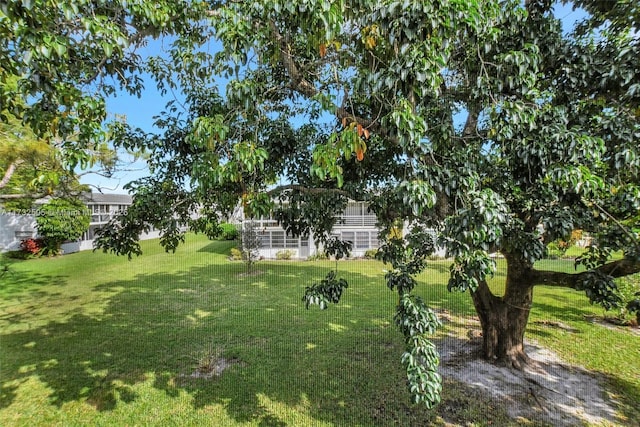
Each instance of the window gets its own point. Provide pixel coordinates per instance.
(353, 209)
(292, 242)
(277, 239)
(362, 240)
(348, 236)
(265, 239)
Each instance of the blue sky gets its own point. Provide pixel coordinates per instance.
(139, 112)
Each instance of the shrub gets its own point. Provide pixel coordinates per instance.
(564, 245)
(633, 306)
(229, 231)
(554, 251)
(32, 247)
(318, 256)
(558, 248)
(236, 254)
(20, 254)
(370, 253)
(628, 290)
(285, 254)
(61, 220)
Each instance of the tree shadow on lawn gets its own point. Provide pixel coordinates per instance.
(156, 328)
(219, 247)
(630, 396)
(19, 287)
(336, 366)
(15, 281)
(549, 391)
(564, 311)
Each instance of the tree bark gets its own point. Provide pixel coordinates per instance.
(9, 173)
(504, 319)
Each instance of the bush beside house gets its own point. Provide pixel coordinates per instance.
(59, 221)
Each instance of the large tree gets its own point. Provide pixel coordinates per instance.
(32, 168)
(484, 121)
(61, 59)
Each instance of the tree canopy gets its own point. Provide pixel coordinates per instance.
(67, 56)
(61, 220)
(482, 120)
(31, 168)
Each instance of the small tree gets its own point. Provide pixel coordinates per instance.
(249, 244)
(61, 220)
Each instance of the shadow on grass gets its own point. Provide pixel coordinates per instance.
(156, 328)
(17, 287)
(568, 312)
(340, 365)
(14, 281)
(628, 400)
(219, 247)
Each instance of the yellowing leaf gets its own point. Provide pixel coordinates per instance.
(370, 42)
(323, 50)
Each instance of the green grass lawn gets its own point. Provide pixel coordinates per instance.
(92, 339)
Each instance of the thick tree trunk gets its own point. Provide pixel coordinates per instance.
(504, 320)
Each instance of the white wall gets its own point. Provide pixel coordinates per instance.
(87, 245)
(14, 228)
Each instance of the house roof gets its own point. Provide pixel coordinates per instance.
(96, 198)
(107, 199)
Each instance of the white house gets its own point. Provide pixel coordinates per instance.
(16, 226)
(103, 207)
(355, 224)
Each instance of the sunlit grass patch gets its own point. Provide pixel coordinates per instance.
(90, 338)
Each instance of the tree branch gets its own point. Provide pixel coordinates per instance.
(298, 82)
(308, 190)
(306, 88)
(22, 196)
(9, 172)
(471, 125)
(619, 268)
(373, 125)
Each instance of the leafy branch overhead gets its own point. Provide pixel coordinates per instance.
(481, 127)
(329, 290)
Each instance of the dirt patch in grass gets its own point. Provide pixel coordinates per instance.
(216, 368)
(549, 392)
(251, 273)
(614, 323)
(554, 324)
(213, 365)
